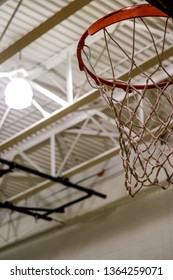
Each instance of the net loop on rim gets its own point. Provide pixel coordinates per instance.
(138, 90)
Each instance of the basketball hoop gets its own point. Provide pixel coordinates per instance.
(141, 97)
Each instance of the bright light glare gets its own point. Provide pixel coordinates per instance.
(18, 94)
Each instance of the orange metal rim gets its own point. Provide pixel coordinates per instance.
(136, 11)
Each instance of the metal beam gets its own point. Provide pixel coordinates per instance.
(61, 180)
(73, 144)
(62, 112)
(79, 103)
(49, 94)
(44, 27)
(69, 80)
(4, 117)
(53, 155)
(73, 171)
(58, 58)
(90, 132)
(92, 162)
(3, 2)
(54, 131)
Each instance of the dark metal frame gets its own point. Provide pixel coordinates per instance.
(35, 211)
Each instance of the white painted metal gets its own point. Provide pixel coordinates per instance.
(53, 156)
(69, 80)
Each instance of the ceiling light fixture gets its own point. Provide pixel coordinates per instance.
(18, 94)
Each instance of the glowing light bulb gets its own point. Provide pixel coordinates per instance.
(18, 94)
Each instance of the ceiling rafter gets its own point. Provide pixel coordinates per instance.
(3, 2)
(90, 132)
(72, 107)
(37, 141)
(79, 103)
(68, 173)
(62, 112)
(42, 28)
